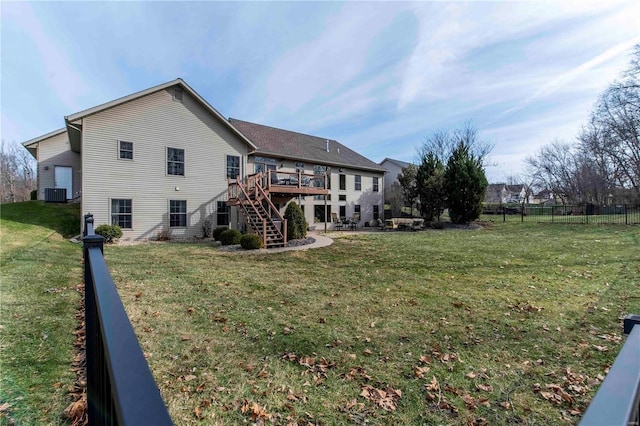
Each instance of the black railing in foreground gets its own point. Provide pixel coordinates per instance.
(618, 399)
(120, 387)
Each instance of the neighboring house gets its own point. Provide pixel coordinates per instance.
(500, 193)
(393, 169)
(545, 196)
(162, 160)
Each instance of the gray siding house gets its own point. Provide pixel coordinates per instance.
(161, 161)
(393, 168)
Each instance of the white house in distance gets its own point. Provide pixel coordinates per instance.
(164, 160)
(393, 169)
(501, 193)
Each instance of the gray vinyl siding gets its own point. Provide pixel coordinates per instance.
(56, 151)
(153, 123)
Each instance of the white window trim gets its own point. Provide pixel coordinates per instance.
(226, 165)
(186, 213)
(166, 161)
(118, 150)
(132, 209)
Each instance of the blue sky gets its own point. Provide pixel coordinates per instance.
(378, 77)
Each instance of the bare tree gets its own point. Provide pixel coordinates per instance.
(613, 135)
(394, 196)
(604, 165)
(443, 143)
(17, 173)
(407, 180)
(554, 168)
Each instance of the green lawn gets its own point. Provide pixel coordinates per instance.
(39, 270)
(508, 324)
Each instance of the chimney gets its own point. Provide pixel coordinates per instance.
(327, 145)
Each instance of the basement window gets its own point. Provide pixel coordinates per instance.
(177, 213)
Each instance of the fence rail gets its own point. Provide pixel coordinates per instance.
(120, 387)
(618, 399)
(627, 214)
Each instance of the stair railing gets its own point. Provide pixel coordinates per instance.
(282, 232)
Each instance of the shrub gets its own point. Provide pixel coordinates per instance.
(163, 235)
(110, 233)
(296, 224)
(230, 236)
(216, 232)
(251, 241)
(207, 228)
(437, 225)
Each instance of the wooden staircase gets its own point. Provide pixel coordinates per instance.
(261, 215)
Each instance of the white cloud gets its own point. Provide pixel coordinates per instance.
(452, 34)
(320, 68)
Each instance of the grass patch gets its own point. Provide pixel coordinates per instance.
(515, 323)
(40, 270)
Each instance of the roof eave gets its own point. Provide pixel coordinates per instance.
(315, 160)
(87, 112)
(43, 137)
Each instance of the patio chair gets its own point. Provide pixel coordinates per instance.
(354, 221)
(337, 222)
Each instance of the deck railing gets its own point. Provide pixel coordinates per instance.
(120, 387)
(618, 399)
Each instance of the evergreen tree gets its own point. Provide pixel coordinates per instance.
(296, 223)
(430, 186)
(465, 184)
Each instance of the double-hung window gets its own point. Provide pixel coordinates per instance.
(233, 166)
(175, 161)
(375, 185)
(343, 182)
(358, 181)
(177, 213)
(121, 212)
(223, 214)
(125, 150)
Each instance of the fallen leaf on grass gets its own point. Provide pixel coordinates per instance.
(387, 399)
(419, 372)
(197, 412)
(433, 385)
(255, 411)
(486, 388)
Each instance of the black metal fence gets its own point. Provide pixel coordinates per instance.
(627, 214)
(618, 399)
(120, 387)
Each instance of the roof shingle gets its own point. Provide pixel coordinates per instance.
(292, 145)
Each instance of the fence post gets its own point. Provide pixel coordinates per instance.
(626, 222)
(94, 412)
(630, 321)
